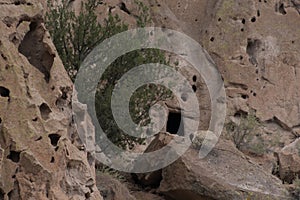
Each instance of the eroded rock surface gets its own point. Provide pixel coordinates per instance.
(39, 156)
(225, 173)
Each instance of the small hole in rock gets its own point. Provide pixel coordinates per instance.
(3, 56)
(212, 39)
(243, 21)
(196, 20)
(281, 9)
(257, 79)
(56, 148)
(52, 160)
(39, 138)
(35, 119)
(254, 94)
(14, 156)
(242, 30)
(87, 195)
(45, 111)
(54, 138)
(253, 19)
(245, 96)
(194, 88)
(241, 57)
(4, 92)
(293, 42)
(219, 19)
(0, 120)
(258, 13)
(194, 78)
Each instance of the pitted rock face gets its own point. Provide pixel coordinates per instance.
(39, 156)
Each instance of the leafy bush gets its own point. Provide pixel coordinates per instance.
(75, 36)
(239, 131)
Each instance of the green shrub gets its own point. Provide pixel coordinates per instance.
(75, 36)
(238, 132)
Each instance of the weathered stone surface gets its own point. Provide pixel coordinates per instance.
(112, 189)
(224, 174)
(38, 155)
(289, 162)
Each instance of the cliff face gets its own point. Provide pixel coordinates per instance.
(38, 158)
(256, 47)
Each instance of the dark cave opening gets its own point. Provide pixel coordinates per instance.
(175, 124)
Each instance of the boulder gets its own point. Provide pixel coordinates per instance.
(111, 188)
(225, 173)
(289, 162)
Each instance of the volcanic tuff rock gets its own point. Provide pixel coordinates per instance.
(225, 173)
(38, 155)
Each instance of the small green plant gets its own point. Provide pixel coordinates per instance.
(238, 131)
(109, 171)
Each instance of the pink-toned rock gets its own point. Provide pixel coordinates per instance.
(39, 156)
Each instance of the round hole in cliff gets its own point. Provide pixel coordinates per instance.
(54, 138)
(254, 94)
(196, 20)
(256, 71)
(265, 1)
(35, 119)
(194, 78)
(293, 42)
(56, 148)
(258, 13)
(175, 124)
(244, 96)
(0, 120)
(194, 88)
(253, 19)
(241, 57)
(158, 5)
(212, 39)
(242, 29)
(4, 92)
(257, 79)
(45, 111)
(52, 160)
(243, 21)
(219, 19)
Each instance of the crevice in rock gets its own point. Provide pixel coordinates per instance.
(14, 156)
(280, 8)
(238, 85)
(15, 193)
(279, 123)
(45, 111)
(35, 50)
(54, 138)
(123, 7)
(1, 194)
